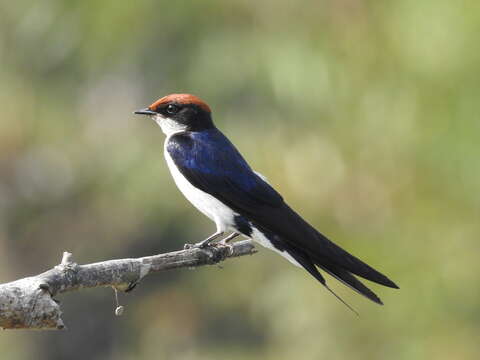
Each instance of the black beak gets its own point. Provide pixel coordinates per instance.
(145, 111)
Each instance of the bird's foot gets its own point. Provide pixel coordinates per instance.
(205, 243)
(224, 243)
(215, 250)
(209, 242)
(200, 245)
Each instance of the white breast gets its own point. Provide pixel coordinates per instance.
(221, 214)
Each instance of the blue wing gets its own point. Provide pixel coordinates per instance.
(212, 164)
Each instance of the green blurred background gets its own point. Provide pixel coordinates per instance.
(364, 114)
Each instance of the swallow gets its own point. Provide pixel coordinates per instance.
(213, 175)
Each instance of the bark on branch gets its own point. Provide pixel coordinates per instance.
(29, 303)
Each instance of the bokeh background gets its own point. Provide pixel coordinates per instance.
(364, 114)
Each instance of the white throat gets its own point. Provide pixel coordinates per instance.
(168, 125)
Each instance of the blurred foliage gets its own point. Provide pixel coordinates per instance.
(364, 114)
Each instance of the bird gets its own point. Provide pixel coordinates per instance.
(213, 175)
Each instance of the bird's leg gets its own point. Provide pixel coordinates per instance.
(224, 242)
(229, 238)
(205, 242)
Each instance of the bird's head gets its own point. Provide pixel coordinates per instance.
(179, 112)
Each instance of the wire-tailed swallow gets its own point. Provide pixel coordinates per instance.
(217, 180)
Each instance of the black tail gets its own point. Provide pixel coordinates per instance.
(341, 266)
(310, 267)
(340, 263)
(351, 281)
(287, 231)
(301, 236)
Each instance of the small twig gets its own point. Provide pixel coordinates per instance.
(29, 304)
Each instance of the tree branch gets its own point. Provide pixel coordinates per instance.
(29, 304)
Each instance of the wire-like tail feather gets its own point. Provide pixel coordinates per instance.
(310, 267)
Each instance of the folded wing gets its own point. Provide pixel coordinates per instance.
(227, 176)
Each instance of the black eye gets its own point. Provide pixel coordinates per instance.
(172, 109)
